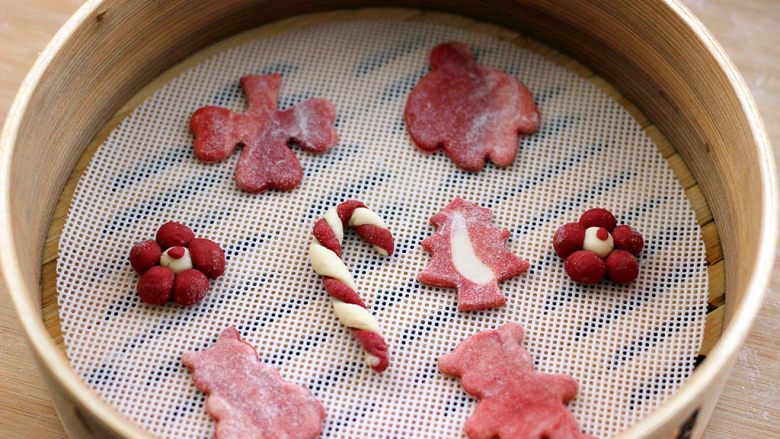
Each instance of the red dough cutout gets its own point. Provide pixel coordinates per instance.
(190, 287)
(172, 234)
(596, 246)
(622, 267)
(473, 112)
(469, 253)
(208, 257)
(628, 239)
(145, 255)
(568, 239)
(155, 285)
(265, 132)
(182, 271)
(598, 218)
(176, 252)
(585, 267)
(515, 401)
(249, 399)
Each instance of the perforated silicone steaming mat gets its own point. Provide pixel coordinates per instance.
(628, 347)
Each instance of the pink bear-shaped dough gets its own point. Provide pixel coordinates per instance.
(516, 402)
(249, 399)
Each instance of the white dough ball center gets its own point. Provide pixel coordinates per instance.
(176, 265)
(601, 247)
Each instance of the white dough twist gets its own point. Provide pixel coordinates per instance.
(325, 257)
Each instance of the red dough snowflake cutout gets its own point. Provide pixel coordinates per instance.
(516, 402)
(265, 133)
(595, 247)
(176, 264)
(249, 399)
(468, 252)
(473, 112)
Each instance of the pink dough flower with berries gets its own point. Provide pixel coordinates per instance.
(176, 265)
(596, 247)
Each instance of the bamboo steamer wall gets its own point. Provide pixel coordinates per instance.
(654, 52)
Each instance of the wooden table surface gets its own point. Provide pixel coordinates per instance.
(750, 404)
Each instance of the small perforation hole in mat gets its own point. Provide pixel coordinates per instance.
(628, 347)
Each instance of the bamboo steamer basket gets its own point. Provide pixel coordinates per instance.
(655, 53)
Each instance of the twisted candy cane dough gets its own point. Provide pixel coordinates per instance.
(325, 256)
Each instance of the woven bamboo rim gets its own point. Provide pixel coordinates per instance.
(746, 284)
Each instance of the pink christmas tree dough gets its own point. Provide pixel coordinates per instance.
(516, 402)
(265, 133)
(469, 253)
(249, 399)
(473, 112)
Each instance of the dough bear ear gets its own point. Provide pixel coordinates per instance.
(513, 331)
(448, 363)
(450, 53)
(230, 333)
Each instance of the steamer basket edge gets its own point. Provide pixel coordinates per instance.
(84, 415)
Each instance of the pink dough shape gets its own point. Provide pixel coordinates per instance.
(473, 112)
(515, 401)
(489, 250)
(265, 133)
(248, 398)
